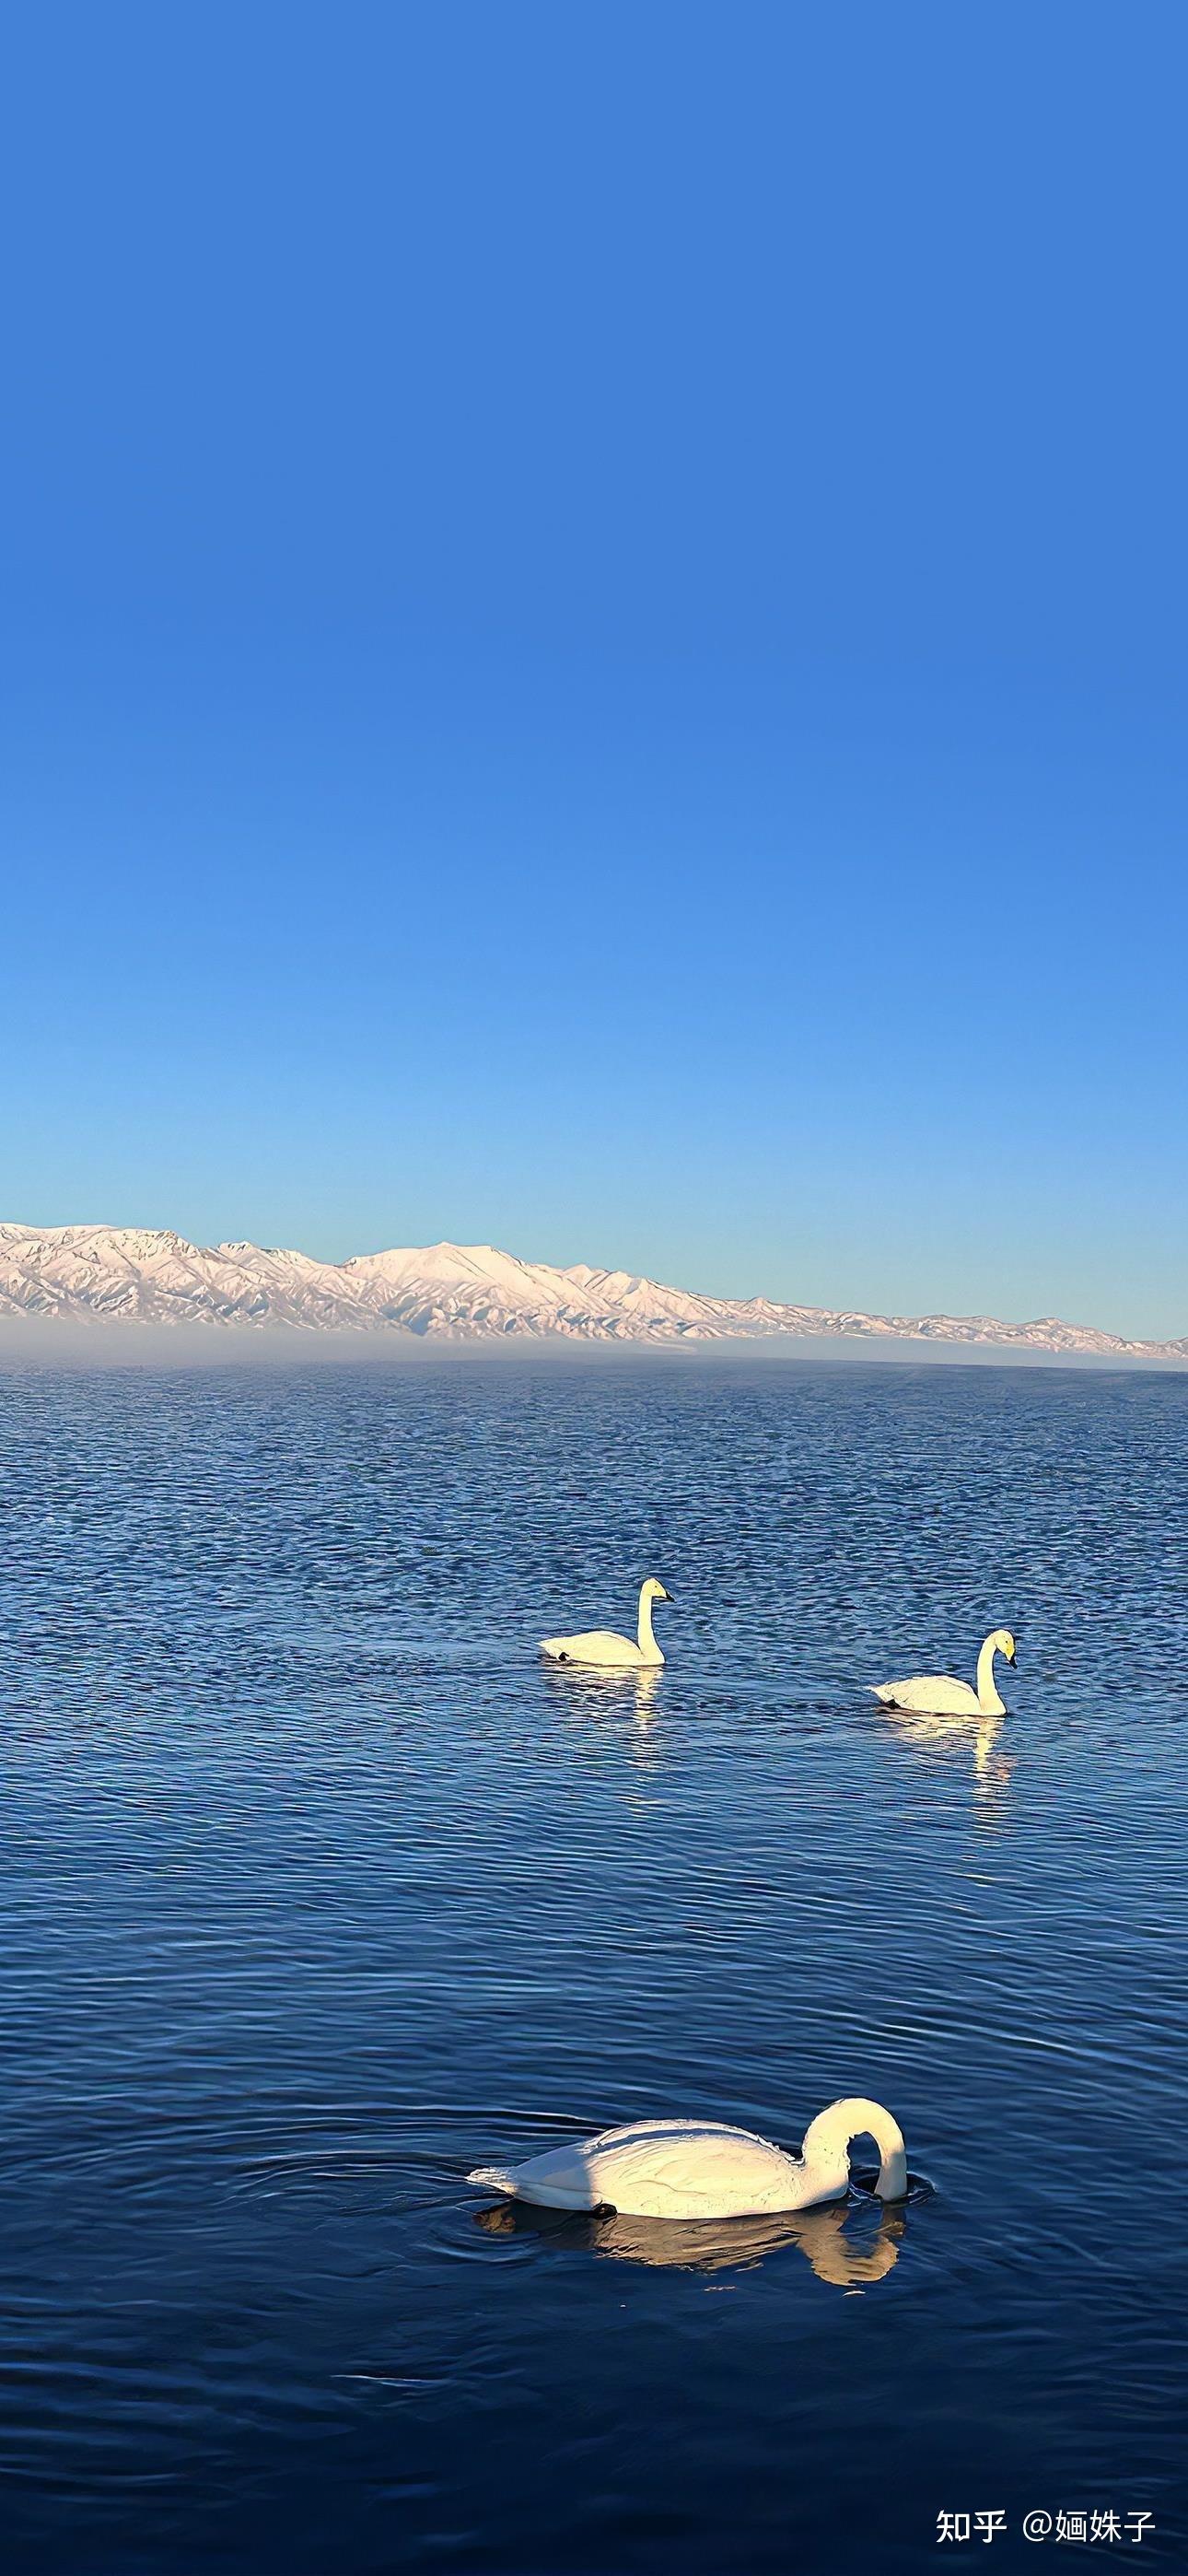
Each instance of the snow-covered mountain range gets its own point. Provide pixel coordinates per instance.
(454, 1291)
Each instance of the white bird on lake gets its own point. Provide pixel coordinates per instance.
(692, 2169)
(602, 1646)
(938, 1695)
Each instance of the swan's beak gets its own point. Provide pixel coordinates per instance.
(1012, 1658)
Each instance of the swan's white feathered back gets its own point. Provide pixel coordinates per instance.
(665, 2169)
(931, 1695)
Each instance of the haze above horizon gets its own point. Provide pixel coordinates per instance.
(593, 643)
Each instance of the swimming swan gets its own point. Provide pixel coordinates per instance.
(938, 1695)
(601, 1646)
(691, 2169)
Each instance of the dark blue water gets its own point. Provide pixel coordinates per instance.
(318, 1890)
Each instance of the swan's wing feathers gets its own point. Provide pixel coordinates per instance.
(561, 2178)
(591, 1646)
(930, 1695)
(683, 2168)
(658, 2169)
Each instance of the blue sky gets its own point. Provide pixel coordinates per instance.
(593, 639)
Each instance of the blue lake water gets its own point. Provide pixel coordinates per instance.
(318, 1890)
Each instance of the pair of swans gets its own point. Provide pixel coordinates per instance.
(924, 1695)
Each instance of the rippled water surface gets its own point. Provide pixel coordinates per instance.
(319, 1890)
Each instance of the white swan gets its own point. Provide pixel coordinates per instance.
(938, 1695)
(601, 1646)
(693, 2169)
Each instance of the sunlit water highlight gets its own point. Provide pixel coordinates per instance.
(318, 1890)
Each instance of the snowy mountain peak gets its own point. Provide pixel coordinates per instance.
(459, 1292)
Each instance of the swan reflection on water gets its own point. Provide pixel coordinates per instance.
(991, 1770)
(588, 1691)
(847, 2260)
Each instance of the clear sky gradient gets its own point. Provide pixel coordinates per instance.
(593, 637)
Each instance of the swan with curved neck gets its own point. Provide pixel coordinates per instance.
(938, 1695)
(602, 1646)
(692, 2169)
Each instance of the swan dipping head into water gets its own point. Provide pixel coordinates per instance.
(938, 1695)
(691, 2169)
(602, 1646)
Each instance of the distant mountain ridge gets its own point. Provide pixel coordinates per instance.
(456, 1292)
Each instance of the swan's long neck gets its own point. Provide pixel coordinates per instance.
(988, 1700)
(827, 2142)
(647, 1642)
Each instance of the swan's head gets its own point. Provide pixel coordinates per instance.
(653, 1591)
(1004, 1643)
(827, 2143)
